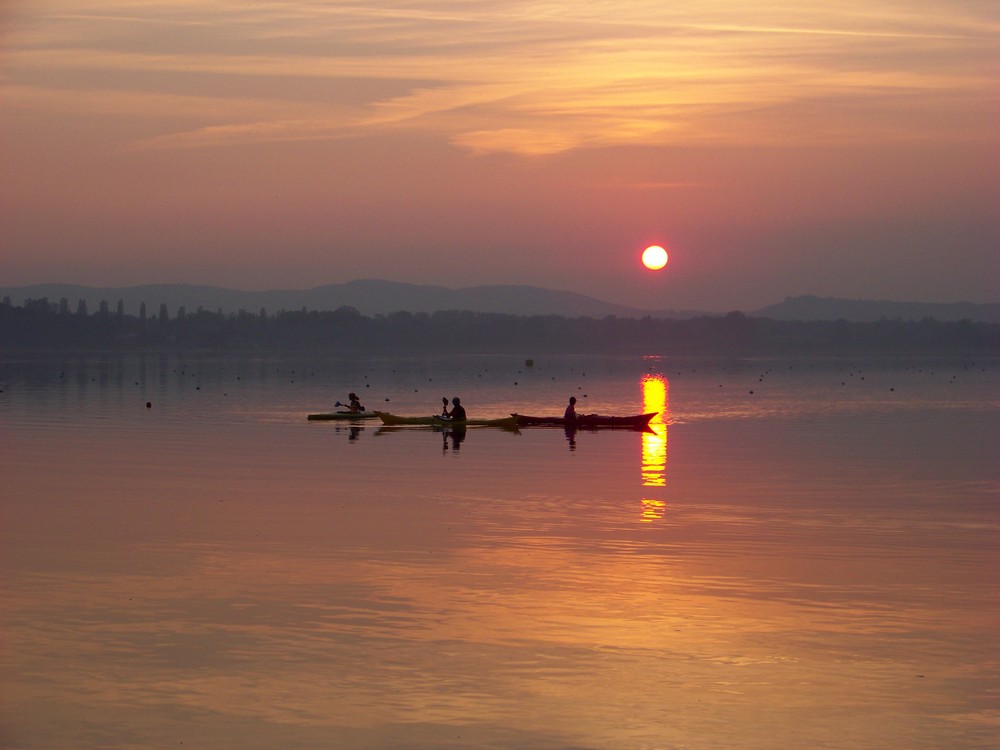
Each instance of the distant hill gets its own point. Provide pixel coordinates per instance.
(367, 296)
(375, 297)
(864, 311)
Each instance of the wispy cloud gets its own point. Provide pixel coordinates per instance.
(510, 76)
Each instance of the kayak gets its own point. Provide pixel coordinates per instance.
(436, 421)
(343, 415)
(634, 421)
(394, 419)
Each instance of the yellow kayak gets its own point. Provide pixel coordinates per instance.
(394, 420)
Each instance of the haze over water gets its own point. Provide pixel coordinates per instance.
(800, 554)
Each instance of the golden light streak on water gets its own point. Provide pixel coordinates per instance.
(652, 510)
(655, 390)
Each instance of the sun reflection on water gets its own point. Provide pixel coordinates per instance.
(655, 390)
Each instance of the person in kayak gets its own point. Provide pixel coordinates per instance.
(457, 410)
(570, 415)
(355, 406)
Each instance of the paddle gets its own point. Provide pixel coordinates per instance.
(347, 405)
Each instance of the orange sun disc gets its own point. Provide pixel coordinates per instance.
(654, 257)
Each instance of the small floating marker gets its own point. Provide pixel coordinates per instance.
(529, 363)
(149, 404)
(387, 400)
(751, 393)
(197, 387)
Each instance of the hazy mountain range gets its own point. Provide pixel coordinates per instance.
(373, 297)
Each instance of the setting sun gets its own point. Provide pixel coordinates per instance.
(654, 257)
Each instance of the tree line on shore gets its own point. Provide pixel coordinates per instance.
(41, 324)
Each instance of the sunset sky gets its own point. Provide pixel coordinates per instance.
(774, 147)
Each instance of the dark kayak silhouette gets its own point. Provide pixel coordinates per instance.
(635, 421)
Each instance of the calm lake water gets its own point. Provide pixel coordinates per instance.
(801, 554)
